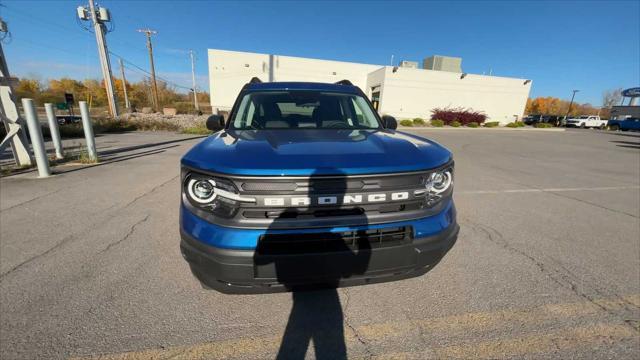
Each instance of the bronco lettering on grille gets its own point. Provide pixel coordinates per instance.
(336, 200)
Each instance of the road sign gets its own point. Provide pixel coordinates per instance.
(633, 92)
(62, 106)
(68, 98)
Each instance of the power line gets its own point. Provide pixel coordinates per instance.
(39, 20)
(148, 73)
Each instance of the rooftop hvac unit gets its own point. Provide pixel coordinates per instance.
(409, 64)
(443, 63)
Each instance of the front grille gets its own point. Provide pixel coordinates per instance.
(283, 244)
(330, 184)
(364, 210)
(304, 202)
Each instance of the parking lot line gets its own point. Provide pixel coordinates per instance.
(556, 341)
(566, 338)
(508, 191)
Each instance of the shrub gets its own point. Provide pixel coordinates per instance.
(185, 107)
(462, 115)
(472, 124)
(419, 122)
(520, 124)
(455, 123)
(196, 130)
(542, 125)
(406, 122)
(491, 124)
(512, 125)
(437, 123)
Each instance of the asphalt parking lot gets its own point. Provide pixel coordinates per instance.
(547, 263)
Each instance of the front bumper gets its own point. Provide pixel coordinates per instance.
(225, 259)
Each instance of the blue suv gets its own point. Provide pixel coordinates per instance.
(306, 185)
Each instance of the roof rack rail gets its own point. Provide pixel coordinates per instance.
(344, 82)
(255, 80)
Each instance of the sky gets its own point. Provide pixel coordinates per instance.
(560, 45)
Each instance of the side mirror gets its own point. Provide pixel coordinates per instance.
(215, 123)
(389, 122)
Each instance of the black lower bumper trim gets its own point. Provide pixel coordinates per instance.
(248, 271)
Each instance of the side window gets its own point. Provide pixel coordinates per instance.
(358, 112)
(251, 111)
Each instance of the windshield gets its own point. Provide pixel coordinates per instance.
(303, 110)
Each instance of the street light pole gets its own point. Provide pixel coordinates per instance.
(193, 81)
(570, 103)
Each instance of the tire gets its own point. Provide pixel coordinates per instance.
(614, 127)
(602, 127)
(583, 126)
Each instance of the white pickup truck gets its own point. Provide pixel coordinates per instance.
(587, 121)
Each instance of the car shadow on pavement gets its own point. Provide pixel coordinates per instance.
(111, 160)
(626, 134)
(316, 315)
(627, 144)
(145, 146)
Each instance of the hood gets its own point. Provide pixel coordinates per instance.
(300, 152)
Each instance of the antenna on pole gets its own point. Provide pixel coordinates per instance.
(98, 16)
(154, 86)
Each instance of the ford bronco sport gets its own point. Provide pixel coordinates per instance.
(305, 184)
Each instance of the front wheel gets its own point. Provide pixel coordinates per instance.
(614, 127)
(582, 126)
(602, 127)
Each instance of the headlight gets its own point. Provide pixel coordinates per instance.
(201, 191)
(216, 195)
(439, 181)
(438, 185)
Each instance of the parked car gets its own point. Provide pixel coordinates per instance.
(554, 120)
(68, 119)
(587, 121)
(624, 124)
(531, 119)
(305, 184)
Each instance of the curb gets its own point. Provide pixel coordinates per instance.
(480, 128)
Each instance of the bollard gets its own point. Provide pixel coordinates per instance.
(88, 130)
(53, 129)
(35, 133)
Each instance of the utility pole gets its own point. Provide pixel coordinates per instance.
(570, 103)
(9, 112)
(98, 17)
(124, 85)
(154, 86)
(193, 82)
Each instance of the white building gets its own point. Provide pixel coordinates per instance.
(398, 91)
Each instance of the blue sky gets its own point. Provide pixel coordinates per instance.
(592, 46)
